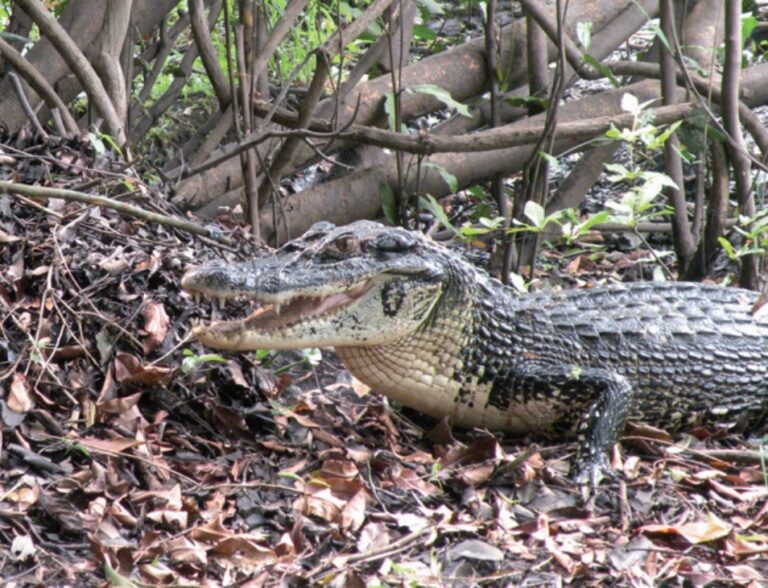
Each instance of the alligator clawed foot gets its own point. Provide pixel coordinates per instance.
(589, 473)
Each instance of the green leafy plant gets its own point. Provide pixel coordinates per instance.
(639, 201)
(310, 356)
(192, 361)
(754, 232)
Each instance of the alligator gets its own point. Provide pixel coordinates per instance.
(419, 323)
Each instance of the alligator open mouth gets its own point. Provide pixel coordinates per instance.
(266, 314)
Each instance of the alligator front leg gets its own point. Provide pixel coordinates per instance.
(595, 399)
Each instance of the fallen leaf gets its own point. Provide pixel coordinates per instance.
(695, 532)
(129, 369)
(19, 399)
(353, 513)
(117, 445)
(476, 550)
(156, 323)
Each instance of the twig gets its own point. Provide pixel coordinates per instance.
(41, 192)
(381, 552)
(39, 207)
(26, 107)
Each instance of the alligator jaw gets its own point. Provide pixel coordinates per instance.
(270, 323)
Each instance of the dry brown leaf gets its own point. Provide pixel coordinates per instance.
(183, 550)
(23, 496)
(19, 399)
(247, 546)
(320, 503)
(129, 369)
(695, 532)
(353, 513)
(743, 545)
(237, 374)
(117, 445)
(119, 405)
(339, 468)
(175, 519)
(156, 323)
(406, 479)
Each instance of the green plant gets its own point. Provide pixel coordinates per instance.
(192, 361)
(754, 232)
(639, 201)
(311, 357)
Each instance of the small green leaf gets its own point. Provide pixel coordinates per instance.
(584, 33)
(423, 33)
(517, 282)
(604, 70)
(432, 6)
(428, 202)
(290, 476)
(630, 104)
(98, 144)
(450, 179)
(535, 212)
(388, 202)
(312, 356)
(662, 37)
(554, 164)
(595, 219)
(115, 579)
(443, 96)
(728, 248)
(389, 108)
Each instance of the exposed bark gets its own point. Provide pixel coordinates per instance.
(717, 211)
(171, 94)
(282, 159)
(735, 149)
(78, 64)
(38, 83)
(673, 164)
(82, 20)
(157, 54)
(570, 193)
(362, 186)
(460, 71)
(208, 56)
(109, 45)
(18, 28)
(702, 33)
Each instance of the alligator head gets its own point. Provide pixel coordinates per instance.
(356, 285)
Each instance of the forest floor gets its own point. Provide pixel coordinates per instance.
(131, 456)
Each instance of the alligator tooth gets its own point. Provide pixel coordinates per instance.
(277, 308)
(197, 297)
(222, 302)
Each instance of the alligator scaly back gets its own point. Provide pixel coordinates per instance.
(420, 324)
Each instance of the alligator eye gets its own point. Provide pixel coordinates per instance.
(346, 244)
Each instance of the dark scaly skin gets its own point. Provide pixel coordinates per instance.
(429, 330)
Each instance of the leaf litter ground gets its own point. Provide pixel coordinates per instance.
(131, 456)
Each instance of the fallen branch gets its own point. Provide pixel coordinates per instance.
(490, 140)
(129, 209)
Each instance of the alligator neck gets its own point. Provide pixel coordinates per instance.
(441, 363)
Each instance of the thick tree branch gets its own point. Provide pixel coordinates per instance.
(204, 43)
(39, 84)
(78, 63)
